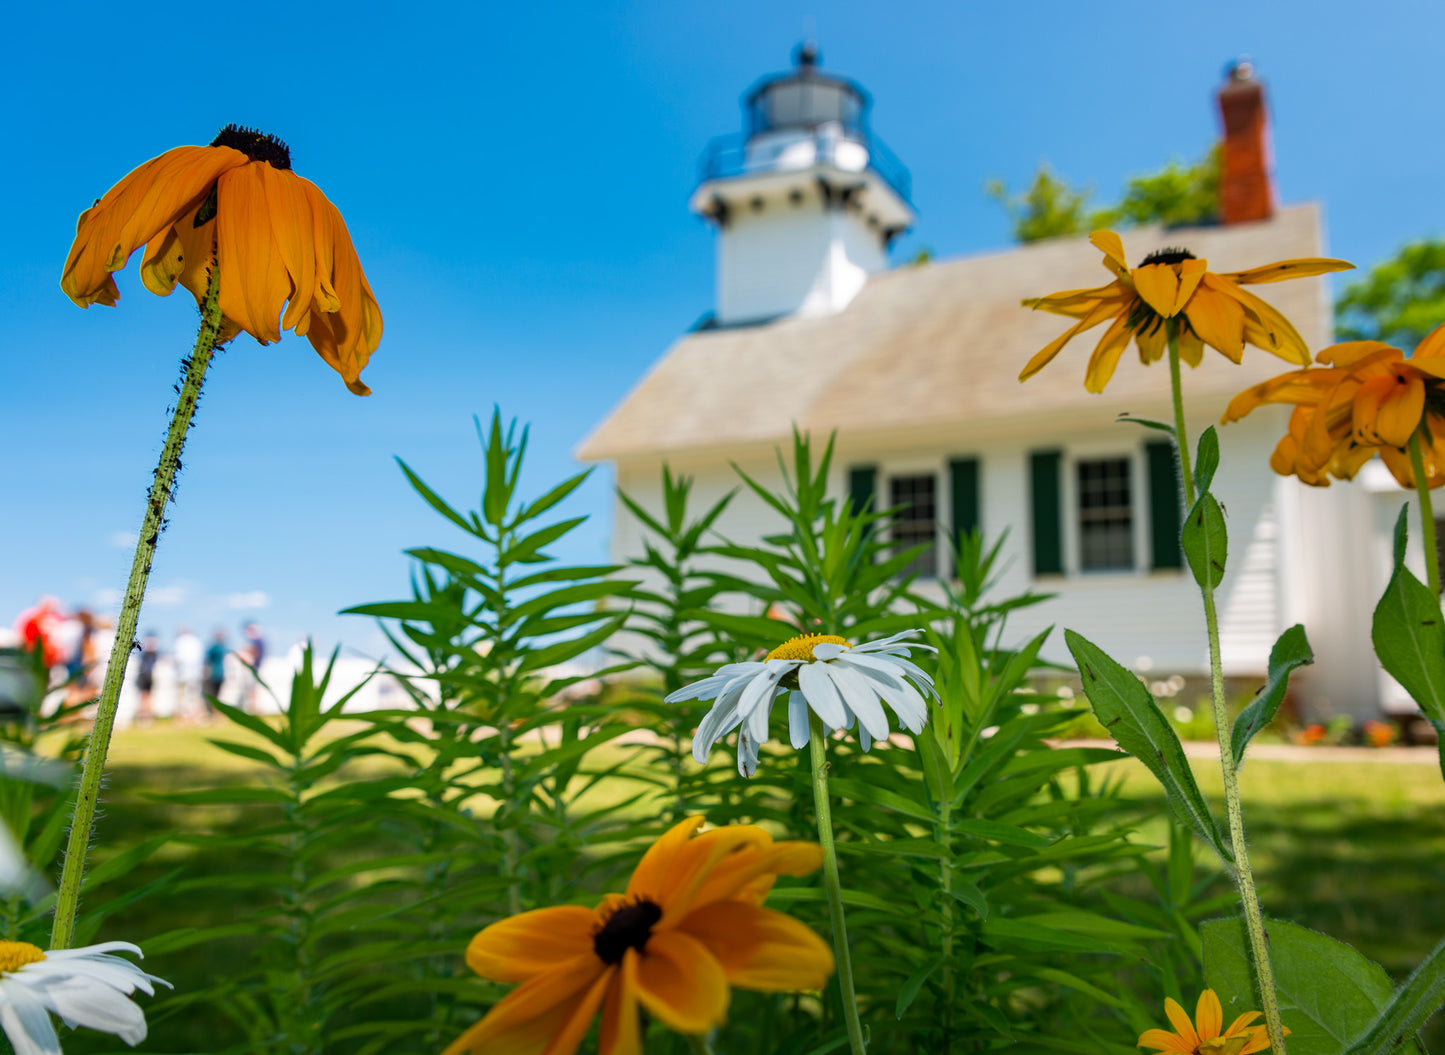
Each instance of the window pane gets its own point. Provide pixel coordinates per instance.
(1106, 520)
(916, 523)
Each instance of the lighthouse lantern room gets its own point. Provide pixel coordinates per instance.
(806, 200)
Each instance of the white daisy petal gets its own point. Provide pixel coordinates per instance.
(912, 670)
(747, 754)
(798, 719)
(26, 1023)
(708, 688)
(828, 650)
(882, 643)
(898, 694)
(859, 695)
(78, 1001)
(717, 723)
(758, 721)
(864, 740)
(822, 696)
(764, 685)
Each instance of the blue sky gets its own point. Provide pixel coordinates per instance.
(515, 179)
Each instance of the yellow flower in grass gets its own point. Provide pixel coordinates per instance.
(277, 241)
(1211, 308)
(1203, 1036)
(1368, 399)
(690, 926)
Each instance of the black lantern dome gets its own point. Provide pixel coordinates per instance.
(807, 98)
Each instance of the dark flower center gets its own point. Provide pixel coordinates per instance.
(1174, 255)
(627, 928)
(258, 146)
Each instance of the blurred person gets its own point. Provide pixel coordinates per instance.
(189, 657)
(253, 652)
(145, 679)
(40, 625)
(81, 665)
(215, 672)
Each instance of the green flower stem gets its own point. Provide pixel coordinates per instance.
(83, 816)
(818, 746)
(699, 1043)
(1427, 515)
(1243, 873)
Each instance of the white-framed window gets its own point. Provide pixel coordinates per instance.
(915, 496)
(1105, 513)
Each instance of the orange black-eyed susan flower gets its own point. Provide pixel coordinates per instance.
(278, 243)
(690, 926)
(1205, 1035)
(1366, 398)
(1171, 284)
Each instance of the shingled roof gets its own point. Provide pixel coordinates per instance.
(940, 343)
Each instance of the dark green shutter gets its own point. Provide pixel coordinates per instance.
(1044, 481)
(862, 486)
(1166, 505)
(963, 497)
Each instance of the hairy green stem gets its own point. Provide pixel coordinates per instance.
(159, 496)
(1243, 873)
(1427, 515)
(818, 746)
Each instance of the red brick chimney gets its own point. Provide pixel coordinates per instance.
(1245, 189)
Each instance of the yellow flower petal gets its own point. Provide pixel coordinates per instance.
(1348, 354)
(1219, 322)
(759, 948)
(1076, 303)
(1190, 274)
(1388, 410)
(1163, 1040)
(525, 1021)
(1042, 359)
(1277, 334)
(620, 1032)
(1152, 342)
(1304, 267)
(520, 947)
(1191, 348)
(1208, 1015)
(1112, 247)
(143, 204)
(681, 984)
(1106, 355)
(1179, 1019)
(254, 283)
(1433, 344)
(1159, 286)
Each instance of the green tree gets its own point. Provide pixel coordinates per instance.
(1397, 301)
(1178, 195)
(1050, 208)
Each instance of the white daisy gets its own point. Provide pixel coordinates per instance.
(85, 987)
(839, 681)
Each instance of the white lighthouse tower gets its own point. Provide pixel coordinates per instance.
(806, 200)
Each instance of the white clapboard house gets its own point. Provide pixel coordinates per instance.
(916, 369)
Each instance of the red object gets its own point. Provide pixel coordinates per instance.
(1246, 191)
(42, 624)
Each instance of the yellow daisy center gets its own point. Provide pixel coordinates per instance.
(1223, 1045)
(16, 954)
(801, 647)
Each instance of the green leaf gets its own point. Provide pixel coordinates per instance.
(1207, 460)
(1328, 992)
(970, 895)
(1126, 709)
(1206, 541)
(435, 500)
(1002, 933)
(910, 988)
(1073, 981)
(1409, 633)
(1149, 423)
(1420, 997)
(1290, 652)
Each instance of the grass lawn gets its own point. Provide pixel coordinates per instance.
(1354, 849)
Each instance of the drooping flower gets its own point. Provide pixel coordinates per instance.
(837, 680)
(1211, 308)
(690, 926)
(85, 987)
(276, 239)
(1203, 1035)
(1368, 399)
